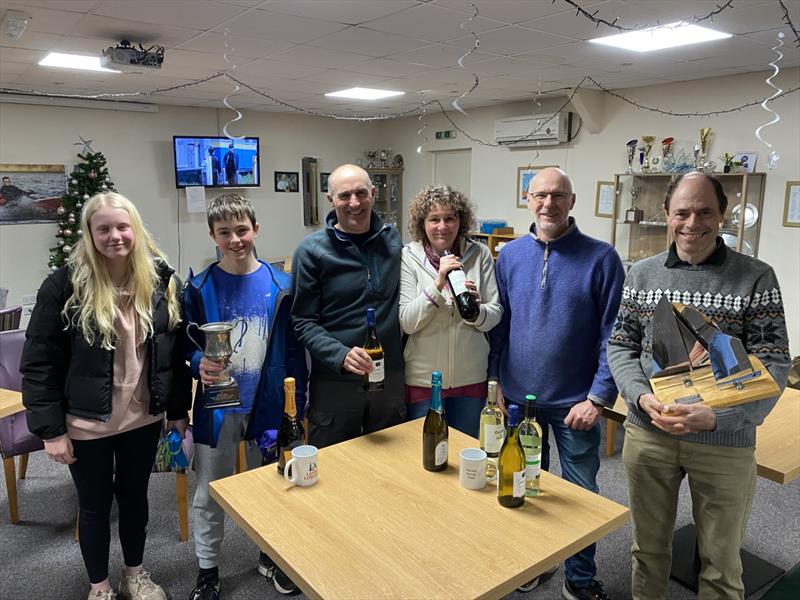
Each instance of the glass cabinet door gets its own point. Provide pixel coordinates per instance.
(388, 195)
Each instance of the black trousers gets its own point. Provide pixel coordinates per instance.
(118, 465)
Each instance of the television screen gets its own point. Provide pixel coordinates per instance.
(216, 161)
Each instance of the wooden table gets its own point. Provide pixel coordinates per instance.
(10, 402)
(777, 438)
(379, 526)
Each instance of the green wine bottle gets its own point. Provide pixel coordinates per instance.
(511, 464)
(434, 431)
(492, 431)
(530, 435)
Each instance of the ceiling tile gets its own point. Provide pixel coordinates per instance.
(441, 55)
(261, 69)
(134, 31)
(81, 6)
(8, 68)
(21, 55)
(366, 41)
(512, 40)
(506, 11)
(431, 23)
(195, 14)
(568, 24)
(341, 80)
(350, 12)
(280, 27)
(389, 68)
(242, 45)
(45, 20)
(308, 55)
(33, 40)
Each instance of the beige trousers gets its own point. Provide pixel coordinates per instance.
(721, 482)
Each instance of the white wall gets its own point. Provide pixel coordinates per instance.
(138, 149)
(590, 157)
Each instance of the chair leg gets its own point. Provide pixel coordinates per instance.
(181, 497)
(76, 534)
(611, 431)
(241, 458)
(23, 465)
(11, 486)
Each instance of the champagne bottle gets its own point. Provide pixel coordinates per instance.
(434, 430)
(511, 464)
(530, 435)
(467, 304)
(372, 382)
(290, 433)
(492, 431)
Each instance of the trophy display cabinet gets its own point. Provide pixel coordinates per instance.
(639, 223)
(389, 194)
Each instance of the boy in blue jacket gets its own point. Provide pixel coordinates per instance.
(238, 286)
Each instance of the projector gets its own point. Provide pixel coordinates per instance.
(129, 59)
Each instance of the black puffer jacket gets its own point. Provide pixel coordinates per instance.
(62, 374)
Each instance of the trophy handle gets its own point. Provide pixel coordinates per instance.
(244, 330)
(189, 335)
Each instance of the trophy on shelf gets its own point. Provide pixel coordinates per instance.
(705, 133)
(695, 362)
(668, 159)
(648, 146)
(631, 147)
(224, 392)
(696, 154)
(634, 214)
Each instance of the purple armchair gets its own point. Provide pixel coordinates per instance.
(10, 317)
(15, 439)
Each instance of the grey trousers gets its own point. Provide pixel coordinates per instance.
(211, 464)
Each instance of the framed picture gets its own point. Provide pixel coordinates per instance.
(31, 193)
(524, 176)
(323, 182)
(287, 181)
(604, 202)
(791, 206)
(748, 160)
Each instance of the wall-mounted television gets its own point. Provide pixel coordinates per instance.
(216, 161)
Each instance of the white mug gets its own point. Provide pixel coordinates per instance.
(472, 468)
(301, 469)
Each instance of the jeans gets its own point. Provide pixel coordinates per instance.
(578, 453)
(462, 412)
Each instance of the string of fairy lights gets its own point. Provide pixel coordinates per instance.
(422, 109)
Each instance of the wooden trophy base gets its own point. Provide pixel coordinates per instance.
(699, 386)
(221, 396)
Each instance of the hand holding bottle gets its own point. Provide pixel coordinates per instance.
(357, 361)
(473, 289)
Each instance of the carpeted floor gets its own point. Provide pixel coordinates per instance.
(40, 561)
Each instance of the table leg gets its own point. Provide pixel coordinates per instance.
(756, 572)
(611, 434)
(11, 487)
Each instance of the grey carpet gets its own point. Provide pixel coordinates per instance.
(40, 560)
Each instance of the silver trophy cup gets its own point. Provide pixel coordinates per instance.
(224, 392)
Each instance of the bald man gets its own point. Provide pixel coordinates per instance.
(337, 274)
(560, 292)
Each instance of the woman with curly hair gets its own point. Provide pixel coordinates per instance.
(101, 365)
(439, 339)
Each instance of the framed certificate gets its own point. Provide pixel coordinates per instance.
(791, 206)
(604, 201)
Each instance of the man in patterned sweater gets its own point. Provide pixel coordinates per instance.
(715, 447)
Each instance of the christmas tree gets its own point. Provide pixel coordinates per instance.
(88, 178)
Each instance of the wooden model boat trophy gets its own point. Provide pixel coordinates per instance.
(696, 362)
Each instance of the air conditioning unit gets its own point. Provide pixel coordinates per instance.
(533, 130)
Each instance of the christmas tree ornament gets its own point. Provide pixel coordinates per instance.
(71, 220)
(67, 232)
(79, 205)
(67, 248)
(53, 268)
(104, 186)
(61, 243)
(79, 232)
(92, 174)
(86, 196)
(61, 210)
(74, 182)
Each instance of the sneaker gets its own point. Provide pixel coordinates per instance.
(140, 587)
(279, 579)
(594, 591)
(534, 583)
(107, 595)
(206, 590)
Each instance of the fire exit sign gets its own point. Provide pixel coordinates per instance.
(446, 135)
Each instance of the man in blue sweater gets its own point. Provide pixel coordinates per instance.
(560, 292)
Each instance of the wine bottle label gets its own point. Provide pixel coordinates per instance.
(494, 434)
(377, 374)
(441, 453)
(457, 281)
(519, 484)
(533, 455)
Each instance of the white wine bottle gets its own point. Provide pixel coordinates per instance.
(511, 464)
(492, 431)
(467, 305)
(530, 435)
(372, 382)
(435, 432)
